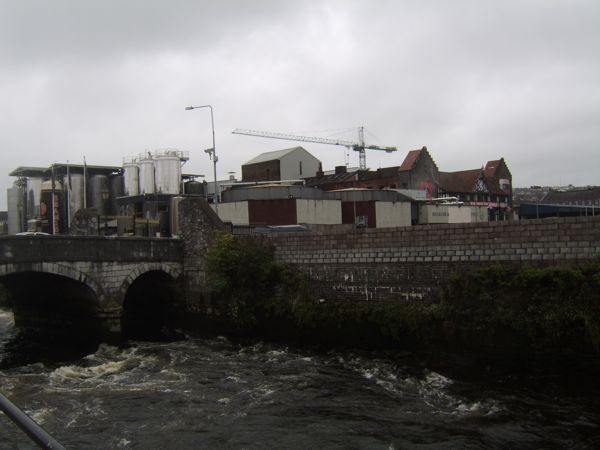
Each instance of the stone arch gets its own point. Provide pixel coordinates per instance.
(64, 270)
(143, 268)
(55, 298)
(149, 301)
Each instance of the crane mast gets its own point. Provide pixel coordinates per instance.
(356, 146)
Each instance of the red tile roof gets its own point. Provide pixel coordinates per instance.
(410, 160)
(463, 181)
(491, 167)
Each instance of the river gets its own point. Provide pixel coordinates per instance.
(215, 393)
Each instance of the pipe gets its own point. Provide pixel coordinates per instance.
(25, 423)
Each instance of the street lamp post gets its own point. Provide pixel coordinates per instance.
(211, 152)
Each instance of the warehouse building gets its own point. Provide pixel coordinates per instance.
(287, 164)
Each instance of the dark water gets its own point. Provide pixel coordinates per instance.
(212, 393)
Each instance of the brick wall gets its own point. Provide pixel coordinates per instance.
(413, 263)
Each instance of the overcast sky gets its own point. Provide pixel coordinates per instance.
(471, 80)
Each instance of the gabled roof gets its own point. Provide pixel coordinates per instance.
(492, 167)
(277, 154)
(412, 157)
(410, 160)
(463, 181)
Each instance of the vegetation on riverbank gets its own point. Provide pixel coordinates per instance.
(494, 310)
(250, 290)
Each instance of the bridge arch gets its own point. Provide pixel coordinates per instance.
(62, 270)
(140, 269)
(58, 299)
(151, 294)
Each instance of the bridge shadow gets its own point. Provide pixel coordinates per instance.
(149, 308)
(59, 305)
(54, 319)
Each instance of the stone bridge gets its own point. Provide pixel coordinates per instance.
(109, 286)
(90, 282)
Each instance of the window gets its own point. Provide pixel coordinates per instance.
(300, 167)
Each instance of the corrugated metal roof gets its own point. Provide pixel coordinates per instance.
(270, 156)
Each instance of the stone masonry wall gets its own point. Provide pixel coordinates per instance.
(197, 222)
(413, 263)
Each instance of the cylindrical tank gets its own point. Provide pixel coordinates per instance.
(75, 193)
(131, 177)
(15, 209)
(167, 173)
(98, 194)
(194, 188)
(34, 192)
(146, 176)
(116, 190)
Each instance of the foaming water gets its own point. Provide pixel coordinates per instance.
(214, 393)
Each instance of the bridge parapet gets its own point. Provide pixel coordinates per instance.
(18, 249)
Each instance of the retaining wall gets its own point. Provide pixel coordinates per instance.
(413, 263)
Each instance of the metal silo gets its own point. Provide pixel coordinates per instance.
(98, 194)
(15, 206)
(34, 193)
(131, 178)
(116, 190)
(146, 175)
(167, 172)
(75, 194)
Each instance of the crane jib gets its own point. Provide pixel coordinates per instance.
(356, 146)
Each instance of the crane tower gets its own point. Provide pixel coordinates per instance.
(358, 146)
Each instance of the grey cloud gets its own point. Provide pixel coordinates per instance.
(472, 80)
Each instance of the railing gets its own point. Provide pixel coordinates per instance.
(36, 433)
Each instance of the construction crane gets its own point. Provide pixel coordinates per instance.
(359, 146)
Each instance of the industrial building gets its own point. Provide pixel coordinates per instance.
(288, 204)
(287, 164)
(131, 199)
(284, 187)
(46, 199)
